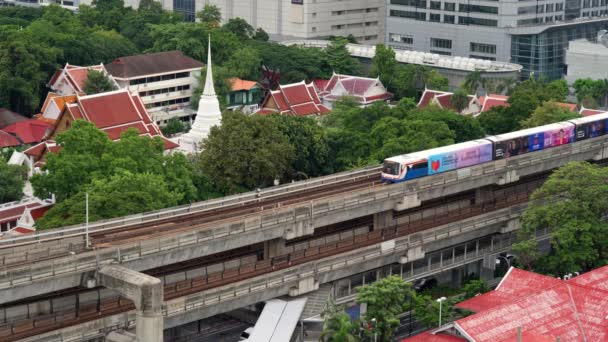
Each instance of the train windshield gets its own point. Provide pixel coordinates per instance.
(390, 168)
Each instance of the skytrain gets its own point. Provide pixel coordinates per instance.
(447, 158)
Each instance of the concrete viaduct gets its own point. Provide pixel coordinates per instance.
(403, 232)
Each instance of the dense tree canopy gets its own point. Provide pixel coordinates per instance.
(90, 161)
(572, 204)
(97, 82)
(11, 182)
(549, 112)
(245, 152)
(340, 60)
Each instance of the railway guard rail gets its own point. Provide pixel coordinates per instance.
(288, 277)
(239, 199)
(477, 175)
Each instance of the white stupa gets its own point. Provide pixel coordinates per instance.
(207, 115)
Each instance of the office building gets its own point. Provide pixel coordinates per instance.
(530, 33)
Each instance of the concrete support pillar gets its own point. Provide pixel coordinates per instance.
(510, 176)
(407, 202)
(145, 291)
(383, 220)
(305, 285)
(415, 253)
(511, 225)
(273, 248)
(456, 278)
(483, 195)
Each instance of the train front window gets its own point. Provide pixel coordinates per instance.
(391, 168)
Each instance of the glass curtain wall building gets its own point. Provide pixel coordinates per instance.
(533, 34)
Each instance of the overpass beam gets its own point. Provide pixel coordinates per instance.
(145, 291)
(383, 220)
(510, 176)
(407, 202)
(273, 248)
(483, 195)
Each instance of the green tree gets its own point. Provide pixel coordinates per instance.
(571, 204)
(74, 165)
(497, 121)
(123, 193)
(475, 287)
(340, 59)
(338, 327)
(464, 128)
(240, 27)
(245, 151)
(386, 299)
(310, 145)
(261, 35)
(549, 112)
(472, 82)
(426, 310)
(460, 100)
(98, 82)
(245, 63)
(384, 64)
(557, 90)
(174, 125)
(11, 182)
(210, 15)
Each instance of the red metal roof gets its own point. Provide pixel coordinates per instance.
(358, 85)
(428, 95)
(237, 84)
(544, 307)
(296, 93)
(492, 100)
(429, 336)
(8, 140)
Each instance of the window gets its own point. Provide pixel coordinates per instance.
(559, 17)
(399, 38)
(297, 2)
(415, 3)
(482, 57)
(337, 27)
(314, 15)
(529, 21)
(436, 5)
(548, 19)
(448, 19)
(586, 3)
(483, 48)
(477, 21)
(371, 23)
(449, 6)
(435, 17)
(477, 9)
(374, 9)
(446, 53)
(559, 7)
(549, 8)
(526, 10)
(441, 43)
(594, 3)
(186, 8)
(408, 14)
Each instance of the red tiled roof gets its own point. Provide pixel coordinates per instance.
(76, 75)
(428, 95)
(444, 100)
(115, 132)
(75, 112)
(492, 100)
(110, 109)
(29, 131)
(428, 336)
(151, 63)
(320, 84)
(357, 85)
(8, 140)
(296, 99)
(23, 230)
(588, 112)
(569, 106)
(237, 84)
(13, 213)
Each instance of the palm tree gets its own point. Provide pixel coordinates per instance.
(339, 328)
(472, 82)
(460, 100)
(506, 85)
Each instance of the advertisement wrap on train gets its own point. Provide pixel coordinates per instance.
(442, 159)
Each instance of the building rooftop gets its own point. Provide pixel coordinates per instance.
(152, 64)
(544, 307)
(237, 84)
(420, 58)
(28, 131)
(8, 117)
(299, 99)
(75, 75)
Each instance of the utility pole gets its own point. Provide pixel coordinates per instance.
(86, 224)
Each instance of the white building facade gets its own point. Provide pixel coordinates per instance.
(530, 33)
(588, 59)
(165, 81)
(289, 19)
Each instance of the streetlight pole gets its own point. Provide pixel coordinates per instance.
(440, 301)
(375, 330)
(86, 225)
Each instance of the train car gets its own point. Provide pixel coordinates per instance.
(532, 139)
(590, 126)
(437, 160)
